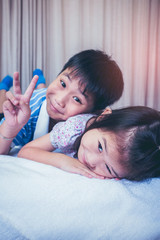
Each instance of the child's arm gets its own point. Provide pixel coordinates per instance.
(40, 149)
(16, 111)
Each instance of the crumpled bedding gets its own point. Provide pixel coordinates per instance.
(40, 202)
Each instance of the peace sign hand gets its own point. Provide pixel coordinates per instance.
(16, 108)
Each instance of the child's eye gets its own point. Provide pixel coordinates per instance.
(63, 84)
(100, 147)
(108, 169)
(77, 99)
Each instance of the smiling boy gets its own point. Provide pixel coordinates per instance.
(88, 82)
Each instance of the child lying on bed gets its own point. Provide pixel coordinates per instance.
(124, 144)
(88, 82)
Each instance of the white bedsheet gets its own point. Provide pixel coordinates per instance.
(41, 202)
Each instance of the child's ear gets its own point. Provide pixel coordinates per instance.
(107, 110)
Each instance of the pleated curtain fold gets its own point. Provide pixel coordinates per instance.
(45, 33)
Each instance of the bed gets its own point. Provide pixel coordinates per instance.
(40, 202)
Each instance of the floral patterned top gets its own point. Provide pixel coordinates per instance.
(64, 134)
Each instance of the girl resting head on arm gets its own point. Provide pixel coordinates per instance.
(124, 144)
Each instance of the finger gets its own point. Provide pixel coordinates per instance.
(93, 174)
(30, 89)
(16, 84)
(90, 174)
(25, 108)
(12, 98)
(84, 173)
(25, 113)
(80, 171)
(96, 175)
(8, 106)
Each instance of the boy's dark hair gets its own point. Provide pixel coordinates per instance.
(101, 75)
(137, 132)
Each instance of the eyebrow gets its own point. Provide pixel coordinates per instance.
(105, 145)
(67, 75)
(70, 79)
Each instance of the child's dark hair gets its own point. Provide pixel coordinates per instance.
(101, 75)
(137, 131)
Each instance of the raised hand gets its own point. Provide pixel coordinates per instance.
(16, 108)
(17, 111)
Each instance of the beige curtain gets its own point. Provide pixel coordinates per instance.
(45, 33)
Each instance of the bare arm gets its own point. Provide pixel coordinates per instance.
(16, 111)
(40, 149)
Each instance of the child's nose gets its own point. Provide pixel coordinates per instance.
(62, 100)
(96, 163)
(93, 164)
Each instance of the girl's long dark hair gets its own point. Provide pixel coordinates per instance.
(137, 131)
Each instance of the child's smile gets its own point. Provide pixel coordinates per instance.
(55, 107)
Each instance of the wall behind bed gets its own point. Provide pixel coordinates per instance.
(45, 33)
